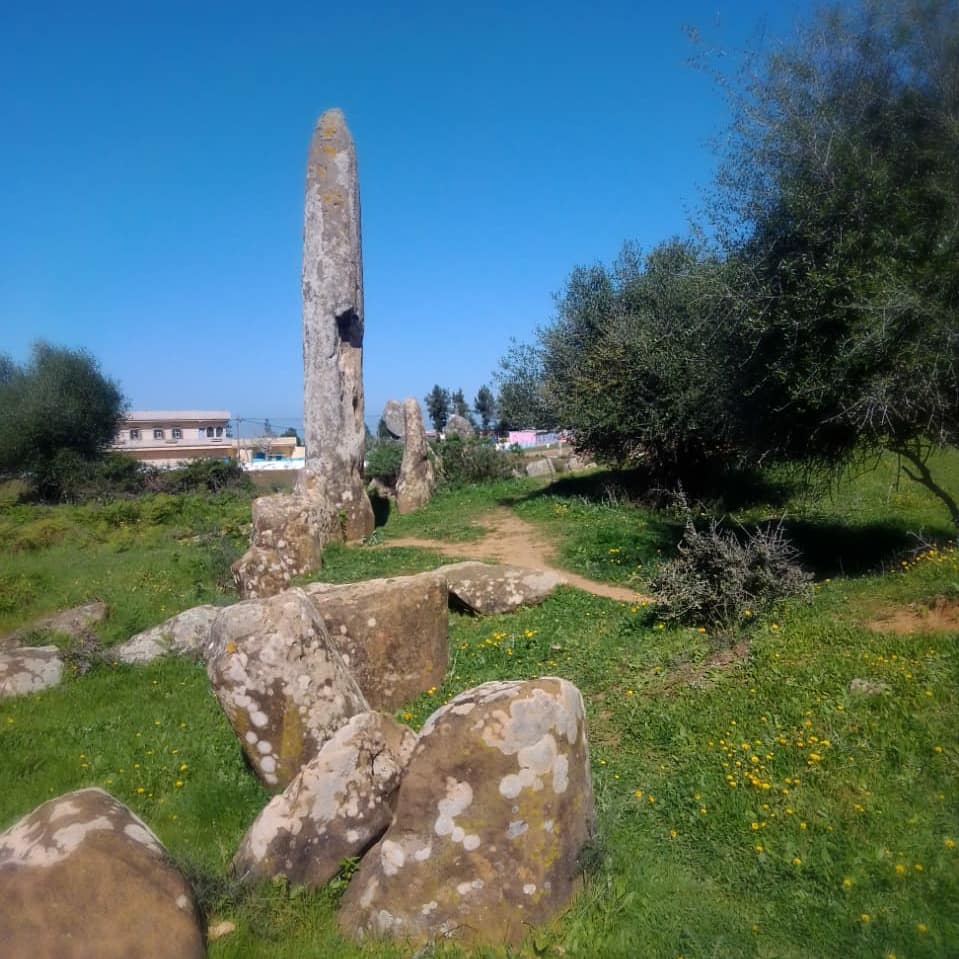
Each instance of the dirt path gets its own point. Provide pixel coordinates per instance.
(513, 540)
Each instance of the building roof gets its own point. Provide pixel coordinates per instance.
(150, 416)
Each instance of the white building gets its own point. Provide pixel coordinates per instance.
(172, 437)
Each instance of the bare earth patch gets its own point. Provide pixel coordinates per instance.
(941, 617)
(513, 540)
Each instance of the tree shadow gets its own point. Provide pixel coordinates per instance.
(382, 505)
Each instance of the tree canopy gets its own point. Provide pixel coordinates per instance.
(59, 411)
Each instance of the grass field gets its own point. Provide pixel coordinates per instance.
(749, 804)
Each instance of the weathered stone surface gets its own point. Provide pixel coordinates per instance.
(416, 482)
(394, 417)
(81, 877)
(334, 431)
(29, 669)
(867, 687)
(70, 622)
(187, 633)
(495, 806)
(540, 467)
(289, 533)
(393, 634)
(458, 425)
(281, 683)
(484, 589)
(337, 806)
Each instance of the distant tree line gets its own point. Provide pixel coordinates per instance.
(821, 318)
(441, 403)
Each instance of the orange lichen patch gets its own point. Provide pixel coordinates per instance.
(942, 615)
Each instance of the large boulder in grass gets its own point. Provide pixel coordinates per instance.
(459, 426)
(494, 809)
(282, 684)
(29, 669)
(485, 589)
(336, 807)
(74, 622)
(82, 877)
(187, 633)
(392, 633)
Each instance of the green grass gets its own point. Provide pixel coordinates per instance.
(851, 800)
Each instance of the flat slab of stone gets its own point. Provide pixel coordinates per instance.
(493, 811)
(336, 807)
(187, 633)
(29, 669)
(282, 684)
(393, 634)
(540, 467)
(484, 589)
(81, 877)
(69, 622)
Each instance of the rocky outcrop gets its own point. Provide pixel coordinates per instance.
(336, 807)
(494, 809)
(394, 416)
(82, 877)
(482, 589)
(187, 633)
(417, 480)
(29, 669)
(392, 633)
(459, 426)
(75, 622)
(332, 281)
(281, 683)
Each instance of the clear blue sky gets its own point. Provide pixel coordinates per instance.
(152, 172)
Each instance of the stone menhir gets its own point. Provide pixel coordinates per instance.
(415, 484)
(394, 417)
(333, 324)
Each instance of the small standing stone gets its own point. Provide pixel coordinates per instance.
(416, 482)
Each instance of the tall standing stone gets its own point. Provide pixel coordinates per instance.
(333, 323)
(416, 481)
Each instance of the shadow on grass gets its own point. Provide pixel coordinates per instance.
(835, 548)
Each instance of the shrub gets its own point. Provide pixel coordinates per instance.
(465, 461)
(383, 459)
(205, 475)
(719, 579)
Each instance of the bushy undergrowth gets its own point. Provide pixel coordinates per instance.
(383, 459)
(466, 461)
(718, 578)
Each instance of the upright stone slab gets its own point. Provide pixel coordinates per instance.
(333, 324)
(415, 484)
(394, 416)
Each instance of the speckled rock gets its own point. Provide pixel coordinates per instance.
(394, 416)
(332, 281)
(281, 683)
(70, 622)
(494, 809)
(540, 467)
(337, 806)
(393, 634)
(289, 533)
(81, 877)
(484, 589)
(29, 669)
(460, 426)
(416, 480)
(187, 633)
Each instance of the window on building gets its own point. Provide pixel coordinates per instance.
(177, 433)
(134, 434)
(209, 431)
(219, 431)
(158, 434)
